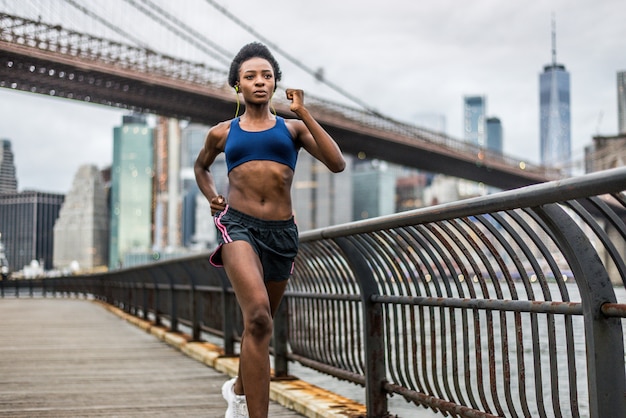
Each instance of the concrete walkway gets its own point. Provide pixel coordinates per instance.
(72, 358)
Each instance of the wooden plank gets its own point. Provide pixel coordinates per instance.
(71, 358)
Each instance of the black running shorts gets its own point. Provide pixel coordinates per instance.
(275, 242)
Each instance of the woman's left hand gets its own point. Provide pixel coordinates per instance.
(297, 99)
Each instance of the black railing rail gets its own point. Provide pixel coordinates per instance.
(502, 305)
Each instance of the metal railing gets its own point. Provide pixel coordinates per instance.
(503, 305)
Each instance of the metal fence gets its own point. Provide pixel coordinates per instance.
(503, 305)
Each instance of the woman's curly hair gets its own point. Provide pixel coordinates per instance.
(252, 50)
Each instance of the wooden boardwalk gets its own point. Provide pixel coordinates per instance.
(72, 358)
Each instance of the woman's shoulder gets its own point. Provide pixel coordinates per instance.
(294, 126)
(224, 125)
(221, 128)
(219, 132)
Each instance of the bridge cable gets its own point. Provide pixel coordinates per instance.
(224, 58)
(108, 24)
(226, 54)
(294, 60)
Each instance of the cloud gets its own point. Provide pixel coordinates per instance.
(53, 137)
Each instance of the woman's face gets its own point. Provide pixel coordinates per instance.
(256, 80)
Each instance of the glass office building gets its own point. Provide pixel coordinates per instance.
(494, 135)
(132, 196)
(554, 113)
(27, 226)
(475, 108)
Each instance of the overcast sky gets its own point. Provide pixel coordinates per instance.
(404, 58)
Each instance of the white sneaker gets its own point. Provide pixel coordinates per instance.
(237, 407)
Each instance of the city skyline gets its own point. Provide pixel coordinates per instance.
(404, 60)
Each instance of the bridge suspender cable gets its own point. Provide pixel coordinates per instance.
(221, 55)
(294, 60)
(108, 24)
(226, 55)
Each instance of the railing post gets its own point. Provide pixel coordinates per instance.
(375, 364)
(281, 331)
(194, 301)
(144, 296)
(173, 303)
(157, 300)
(228, 312)
(126, 293)
(604, 338)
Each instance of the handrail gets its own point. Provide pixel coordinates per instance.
(503, 305)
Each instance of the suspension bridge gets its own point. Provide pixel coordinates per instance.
(54, 60)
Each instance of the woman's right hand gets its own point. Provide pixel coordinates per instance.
(218, 203)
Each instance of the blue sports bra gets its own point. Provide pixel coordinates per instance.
(274, 144)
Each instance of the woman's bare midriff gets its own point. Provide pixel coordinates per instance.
(261, 189)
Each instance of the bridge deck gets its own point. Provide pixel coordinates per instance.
(64, 357)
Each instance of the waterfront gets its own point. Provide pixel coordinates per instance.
(399, 407)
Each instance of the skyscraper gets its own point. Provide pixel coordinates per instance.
(494, 134)
(81, 232)
(554, 109)
(26, 224)
(474, 120)
(8, 181)
(621, 101)
(131, 189)
(166, 217)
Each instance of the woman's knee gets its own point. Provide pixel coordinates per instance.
(259, 323)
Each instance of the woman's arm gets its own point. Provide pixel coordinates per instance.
(213, 146)
(312, 136)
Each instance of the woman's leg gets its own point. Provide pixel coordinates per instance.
(275, 291)
(245, 273)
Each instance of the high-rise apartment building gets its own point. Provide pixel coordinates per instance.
(27, 227)
(621, 102)
(131, 189)
(554, 112)
(475, 108)
(8, 180)
(81, 234)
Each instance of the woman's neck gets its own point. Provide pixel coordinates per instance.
(257, 113)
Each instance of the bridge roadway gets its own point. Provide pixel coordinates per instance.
(72, 358)
(46, 59)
